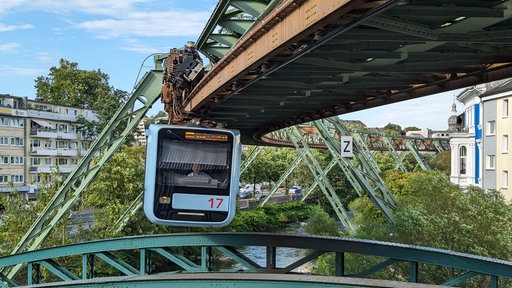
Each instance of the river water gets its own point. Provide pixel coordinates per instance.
(284, 256)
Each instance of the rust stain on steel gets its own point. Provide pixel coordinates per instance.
(290, 21)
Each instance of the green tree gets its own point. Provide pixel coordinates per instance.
(69, 85)
(411, 128)
(442, 162)
(392, 129)
(20, 213)
(115, 187)
(269, 165)
(435, 213)
(320, 223)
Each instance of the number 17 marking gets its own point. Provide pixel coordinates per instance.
(212, 202)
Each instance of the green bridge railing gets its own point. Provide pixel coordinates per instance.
(130, 261)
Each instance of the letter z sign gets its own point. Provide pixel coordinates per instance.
(346, 146)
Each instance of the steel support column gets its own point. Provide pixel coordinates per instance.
(324, 184)
(145, 94)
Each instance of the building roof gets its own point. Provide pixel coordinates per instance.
(502, 88)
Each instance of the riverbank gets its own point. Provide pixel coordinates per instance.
(270, 217)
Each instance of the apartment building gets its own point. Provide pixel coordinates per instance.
(481, 150)
(37, 139)
(139, 136)
(496, 139)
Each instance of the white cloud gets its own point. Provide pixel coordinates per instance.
(8, 47)
(5, 28)
(424, 112)
(104, 7)
(113, 18)
(9, 4)
(150, 24)
(140, 48)
(43, 57)
(20, 71)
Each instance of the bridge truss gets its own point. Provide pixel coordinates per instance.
(130, 261)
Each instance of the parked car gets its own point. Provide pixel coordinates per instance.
(293, 189)
(296, 192)
(250, 188)
(245, 195)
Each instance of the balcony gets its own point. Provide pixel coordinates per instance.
(53, 133)
(47, 169)
(51, 115)
(41, 151)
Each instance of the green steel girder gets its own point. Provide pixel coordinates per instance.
(368, 176)
(239, 26)
(224, 39)
(132, 111)
(251, 157)
(465, 276)
(215, 51)
(421, 161)
(358, 178)
(240, 258)
(398, 161)
(376, 268)
(117, 263)
(253, 8)
(58, 270)
(134, 207)
(365, 152)
(281, 180)
(5, 282)
(179, 260)
(325, 186)
(227, 243)
(234, 18)
(312, 188)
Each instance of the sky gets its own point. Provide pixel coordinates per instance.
(116, 36)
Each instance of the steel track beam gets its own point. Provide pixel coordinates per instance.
(288, 23)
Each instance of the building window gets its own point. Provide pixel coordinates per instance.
(62, 127)
(86, 145)
(4, 140)
(4, 121)
(505, 143)
(491, 161)
(48, 161)
(17, 122)
(17, 141)
(4, 178)
(62, 145)
(35, 178)
(463, 153)
(35, 161)
(48, 144)
(491, 128)
(17, 178)
(4, 159)
(505, 108)
(504, 179)
(35, 143)
(17, 160)
(61, 161)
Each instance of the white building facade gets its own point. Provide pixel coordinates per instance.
(464, 143)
